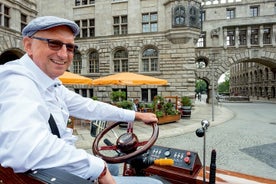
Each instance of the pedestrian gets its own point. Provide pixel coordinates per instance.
(199, 96)
(31, 94)
(136, 106)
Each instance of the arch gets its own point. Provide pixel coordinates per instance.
(149, 59)
(120, 60)
(10, 54)
(77, 62)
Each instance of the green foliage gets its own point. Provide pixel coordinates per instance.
(125, 104)
(118, 96)
(169, 109)
(94, 98)
(186, 101)
(201, 86)
(159, 114)
(223, 87)
(162, 108)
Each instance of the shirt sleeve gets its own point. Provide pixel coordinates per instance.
(86, 108)
(26, 140)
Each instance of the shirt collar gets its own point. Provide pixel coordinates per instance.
(44, 80)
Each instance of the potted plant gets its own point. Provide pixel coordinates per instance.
(125, 104)
(117, 96)
(186, 106)
(165, 111)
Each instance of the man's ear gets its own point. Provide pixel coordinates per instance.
(27, 44)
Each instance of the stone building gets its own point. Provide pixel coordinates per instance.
(239, 35)
(160, 38)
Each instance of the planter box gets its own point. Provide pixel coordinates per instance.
(169, 119)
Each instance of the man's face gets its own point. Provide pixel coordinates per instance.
(51, 62)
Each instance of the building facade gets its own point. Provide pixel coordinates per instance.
(161, 38)
(240, 36)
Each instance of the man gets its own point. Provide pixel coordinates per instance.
(31, 92)
(136, 106)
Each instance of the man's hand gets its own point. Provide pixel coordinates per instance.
(107, 178)
(146, 117)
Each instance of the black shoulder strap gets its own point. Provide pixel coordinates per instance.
(53, 126)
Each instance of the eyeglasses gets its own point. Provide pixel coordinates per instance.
(57, 45)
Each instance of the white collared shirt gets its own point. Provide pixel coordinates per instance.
(27, 97)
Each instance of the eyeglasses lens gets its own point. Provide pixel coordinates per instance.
(56, 45)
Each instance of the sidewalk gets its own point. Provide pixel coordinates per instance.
(201, 111)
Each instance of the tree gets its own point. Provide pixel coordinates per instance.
(224, 86)
(201, 86)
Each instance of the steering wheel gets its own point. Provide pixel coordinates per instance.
(126, 144)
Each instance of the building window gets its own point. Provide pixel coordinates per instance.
(202, 40)
(148, 94)
(254, 36)
(254, 11)
(149, 22)
(120, 25)
(23, 21)
(84, 2)
(150, 60)
(179, 16)
(267, 36)
(4, 15)
(193, 16)
(202, 18)
(242, 37)
(93, 65)
(120, 61)
(77, 63)
(230, 13)
(230, 37)
(87, 28)
(84, 92)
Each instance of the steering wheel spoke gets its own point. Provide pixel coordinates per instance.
(105, 148)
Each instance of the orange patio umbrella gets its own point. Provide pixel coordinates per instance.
(72, 78)
(128, 79)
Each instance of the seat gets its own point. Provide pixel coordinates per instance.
(41, 176)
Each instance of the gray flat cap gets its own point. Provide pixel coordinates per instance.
(47, 22)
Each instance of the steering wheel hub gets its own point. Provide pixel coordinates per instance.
(127, 142)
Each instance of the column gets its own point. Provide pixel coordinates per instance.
(248, 39)
(261, 36)
(224, 38)
(237, 41)
(84, 66)
(273, 36)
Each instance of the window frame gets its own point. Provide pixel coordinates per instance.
(254, 11)
(150, 24)
(150, 62)
(120, 25)
(230, 13)
(93, 62)
(120, 60)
